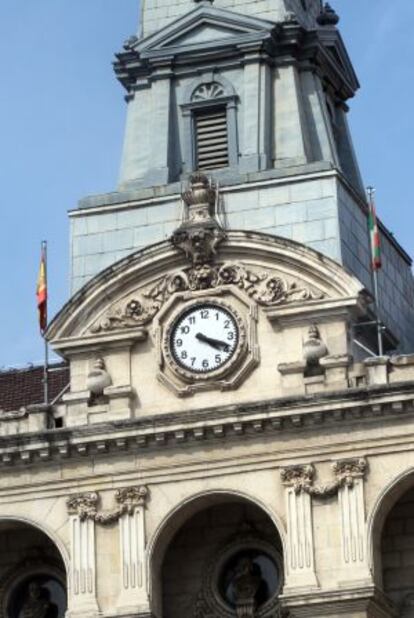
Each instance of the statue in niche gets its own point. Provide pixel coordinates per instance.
(37, 603)
(248, 585)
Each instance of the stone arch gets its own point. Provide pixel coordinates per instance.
(56, 540)
(33, 555)
(205, 78)
(182, 513)
(389, 498)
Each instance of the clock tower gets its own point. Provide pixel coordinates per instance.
(256, 96)
(217, 445)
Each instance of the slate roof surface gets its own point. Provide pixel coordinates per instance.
(22, 387)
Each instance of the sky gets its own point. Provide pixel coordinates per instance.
(62, 116)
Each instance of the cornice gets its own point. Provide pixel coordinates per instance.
(237, 422)
(339, 601)
(279, 44)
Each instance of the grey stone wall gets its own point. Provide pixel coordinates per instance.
(156, 14)
(316, 209)
(396, 282)
(304, 211)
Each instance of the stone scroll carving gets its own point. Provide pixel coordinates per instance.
(86, 505)
(268, 289)
(197, 238)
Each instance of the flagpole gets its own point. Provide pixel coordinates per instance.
(370, 193)
(46, 346)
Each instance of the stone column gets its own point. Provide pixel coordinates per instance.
(291, 140)
(249, 161)
(133, 599)
(322, 141)
(82, 599)
(159, 172)
(300, 562)
(352, 513)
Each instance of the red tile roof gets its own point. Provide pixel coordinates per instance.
(22, 387)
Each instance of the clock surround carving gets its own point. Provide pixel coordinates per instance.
(267, 289)
(232, 362)
(184, 383)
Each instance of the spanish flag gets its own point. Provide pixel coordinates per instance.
(374, 233)
(41, 290)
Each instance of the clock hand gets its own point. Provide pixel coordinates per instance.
(214, 343)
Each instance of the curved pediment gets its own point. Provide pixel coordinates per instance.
(282, 277)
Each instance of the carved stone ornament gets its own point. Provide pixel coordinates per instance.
(86, 505)
(301, 478)
(266, 288)
(328, 16)
(199, 234)
(209, 602)
(313, 347)
(14, 581)
(98, 378)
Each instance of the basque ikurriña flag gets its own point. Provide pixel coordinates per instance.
(375, 236)
(41, 291)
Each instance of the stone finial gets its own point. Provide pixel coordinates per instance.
(130, 43)
(200, 233)
(98, 378)
(314, 348)
(200, 198)
(328, 16)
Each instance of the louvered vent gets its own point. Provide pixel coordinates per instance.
(211, 139)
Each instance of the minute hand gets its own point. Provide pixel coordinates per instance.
(214, 343)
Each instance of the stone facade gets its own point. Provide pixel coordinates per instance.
(221, 448)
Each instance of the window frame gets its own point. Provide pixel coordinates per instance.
(189, 109)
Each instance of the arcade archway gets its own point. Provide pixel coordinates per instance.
(32, 573)
(220, 555)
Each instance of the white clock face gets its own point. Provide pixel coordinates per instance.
(204, 338)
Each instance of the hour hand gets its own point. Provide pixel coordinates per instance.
(214, 343)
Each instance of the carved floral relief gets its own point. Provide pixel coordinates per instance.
(302, 477)
(86, 505)
(268, 289)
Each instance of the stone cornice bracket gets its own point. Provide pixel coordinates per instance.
(301, 478)
(86, 505)
(200, 233)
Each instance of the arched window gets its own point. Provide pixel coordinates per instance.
(210, 125)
